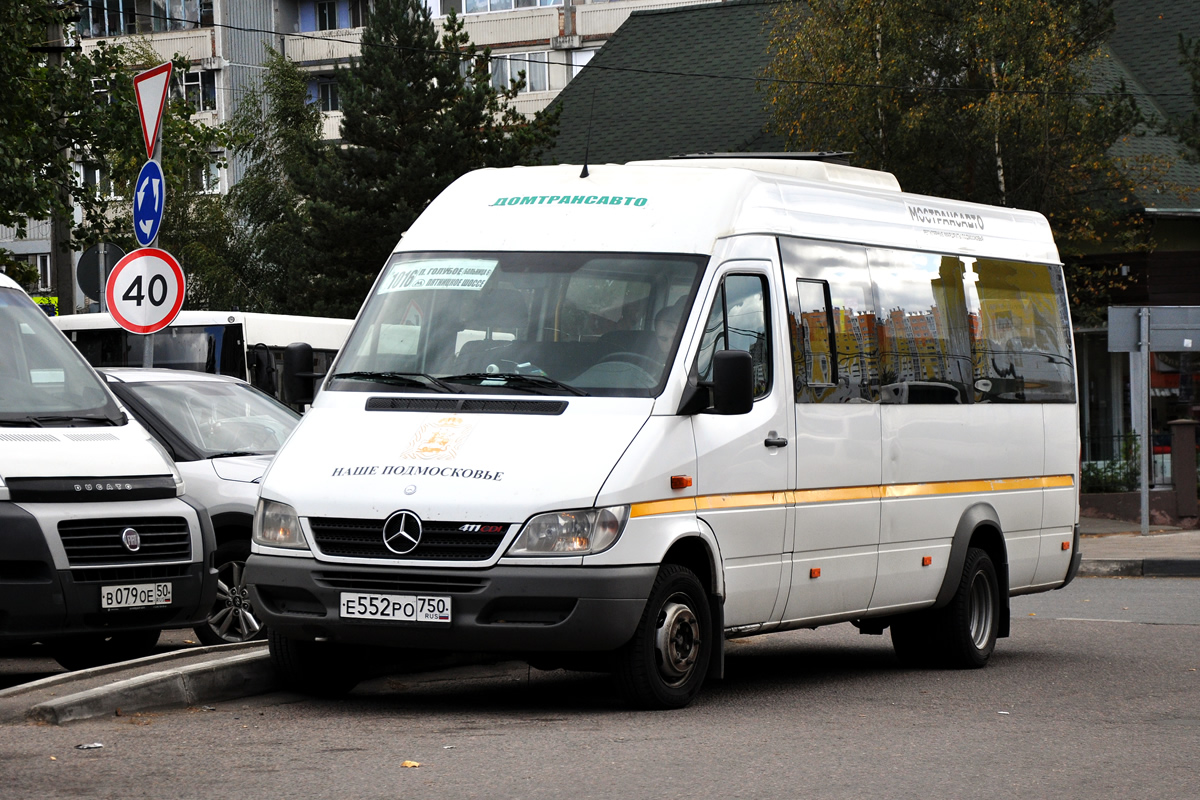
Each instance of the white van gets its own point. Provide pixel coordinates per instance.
(609, 420)
(242, 344)
(98, 550)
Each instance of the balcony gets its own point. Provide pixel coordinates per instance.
(602, 19)
(511, 28)
(331, 125)
(529, 103)
(194, 45)
(322, 48)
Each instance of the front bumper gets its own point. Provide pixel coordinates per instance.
(39, 601)
(500, 609)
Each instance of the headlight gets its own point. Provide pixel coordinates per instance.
(580, 531)
(276, 525)
(180, 489)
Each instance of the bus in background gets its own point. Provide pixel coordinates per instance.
(241, 344)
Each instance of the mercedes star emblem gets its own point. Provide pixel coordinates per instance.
(402, 532)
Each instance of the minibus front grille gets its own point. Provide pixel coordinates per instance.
(440, 541)
(146, 572)
(467, 405)
(98, 542)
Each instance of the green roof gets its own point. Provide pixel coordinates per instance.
(682, 80)
(669, 82)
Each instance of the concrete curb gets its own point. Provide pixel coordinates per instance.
(1139, 568)
(223, 679)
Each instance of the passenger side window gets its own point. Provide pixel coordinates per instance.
(738, 321)
(818, 364)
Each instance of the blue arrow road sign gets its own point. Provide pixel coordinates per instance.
(149, 200)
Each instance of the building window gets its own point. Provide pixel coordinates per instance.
(98, 18)
(327, 16)
(579, 60)
(327, 95)
(97, 180)
(43, 267)
(507, 68)
(200, 90)
(206, 179)
(484, 6)
(359, 11)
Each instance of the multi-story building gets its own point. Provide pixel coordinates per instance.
(226, 40)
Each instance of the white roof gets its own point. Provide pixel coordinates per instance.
(161, 375)
(8, 283)
(685, 206)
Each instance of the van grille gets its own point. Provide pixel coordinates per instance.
(94, 542)
(440, 541)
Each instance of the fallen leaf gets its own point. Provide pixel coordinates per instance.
(411, 764)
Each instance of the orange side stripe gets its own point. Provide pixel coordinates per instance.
(720, 502)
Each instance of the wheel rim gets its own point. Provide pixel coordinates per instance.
(233, 618)
(677, 641)
(981, 610)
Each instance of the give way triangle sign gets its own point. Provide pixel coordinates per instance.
(151, 90)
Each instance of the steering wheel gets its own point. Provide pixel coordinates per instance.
(640, 360)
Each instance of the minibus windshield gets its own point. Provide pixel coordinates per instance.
(44, 382)
(524, 323)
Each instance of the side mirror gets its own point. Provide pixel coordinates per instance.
(298, 376)
(732, 382)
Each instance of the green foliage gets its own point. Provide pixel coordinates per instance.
(1122, 474)
(991, 102)
(419, 111)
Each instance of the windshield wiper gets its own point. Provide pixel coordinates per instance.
(232, 453)
(418, 379)
(517, 380)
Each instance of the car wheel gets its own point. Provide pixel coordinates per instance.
(664, 664)
(324, 669)
(232, 619)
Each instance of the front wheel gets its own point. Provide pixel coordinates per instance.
(318, 668)
(232, 618)
(664, 664)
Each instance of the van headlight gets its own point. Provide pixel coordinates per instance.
(277, 525)
(581, 531)
(180, 488)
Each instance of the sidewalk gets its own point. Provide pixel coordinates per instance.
(1117, 548)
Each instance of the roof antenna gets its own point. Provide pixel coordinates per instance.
(588, 145)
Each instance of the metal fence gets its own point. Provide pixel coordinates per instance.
(1113, 463)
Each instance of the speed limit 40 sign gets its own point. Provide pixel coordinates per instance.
(145, 290)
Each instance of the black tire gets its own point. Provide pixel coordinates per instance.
(84, 652)
(968, 626)
(962, 635)
(664, 664)
(324, 669)
(232, 618)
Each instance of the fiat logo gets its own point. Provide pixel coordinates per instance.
(131, 539)
(402, 532)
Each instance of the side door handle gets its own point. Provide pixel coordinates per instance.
(775, 441)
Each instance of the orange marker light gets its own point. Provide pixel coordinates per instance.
(1066, 545)
(926, 561)
(815, 572)
(681, 481)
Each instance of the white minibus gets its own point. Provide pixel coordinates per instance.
(99, 549)
(609, 418)
(241, 344)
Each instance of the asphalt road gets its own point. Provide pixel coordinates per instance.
(1095, 695)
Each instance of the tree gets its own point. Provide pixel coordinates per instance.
(418, 113)
(993, 102)
(276, 133)
(65, 122)
(1188, 129)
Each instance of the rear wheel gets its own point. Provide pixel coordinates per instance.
(84, 652)
(962, 635)
(664, 664)
(319, 668)
(232, 618)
